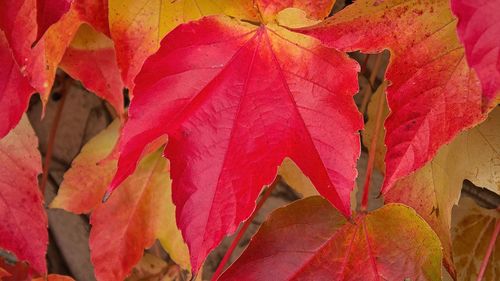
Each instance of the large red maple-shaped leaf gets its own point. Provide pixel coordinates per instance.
(235, 99)
(479, 30)
(23, 227)
(433, 93)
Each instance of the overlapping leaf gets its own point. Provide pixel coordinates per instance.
(39, 64)
(23, 227)
(15, 89)
(47, 54)
(479, 31)
(132, 219)
(433, 93)
(18, 22)
(137, 27)
(471, 234)
(91, 58)
(294, 177)
(309, 240)
(49, 12)
(434, 189)
(235, 99)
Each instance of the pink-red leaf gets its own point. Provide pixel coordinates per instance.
(309, 240)
(18, 21)
(235, 100)
(15, 89)
(433, 93)
(479, 30)
(23, 227)
(49, 12)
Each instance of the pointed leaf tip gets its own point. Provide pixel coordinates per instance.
(106, 195)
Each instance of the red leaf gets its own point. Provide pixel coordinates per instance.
(49, 12)
(46, 55)
(91, 58)
(235, 99)
(433, 95)
(21, 208)
(15, 90)
(479, 31)
(309, 240)
(95, 13)
(18, 21)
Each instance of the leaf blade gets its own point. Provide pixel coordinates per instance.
(21, 203)
(269, 90)
(372, 248)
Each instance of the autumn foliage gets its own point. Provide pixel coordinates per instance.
(230, 97)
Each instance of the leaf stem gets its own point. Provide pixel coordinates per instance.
(243, 229)
(491, 245)
(52, 136)
(372, 151)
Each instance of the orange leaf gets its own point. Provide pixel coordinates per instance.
(140, 212)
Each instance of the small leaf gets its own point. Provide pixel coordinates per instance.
(47, 54)
(471, 234)
(132, 218)
(23, 230)
(309, 240)
(91, 58)
(479, 31)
